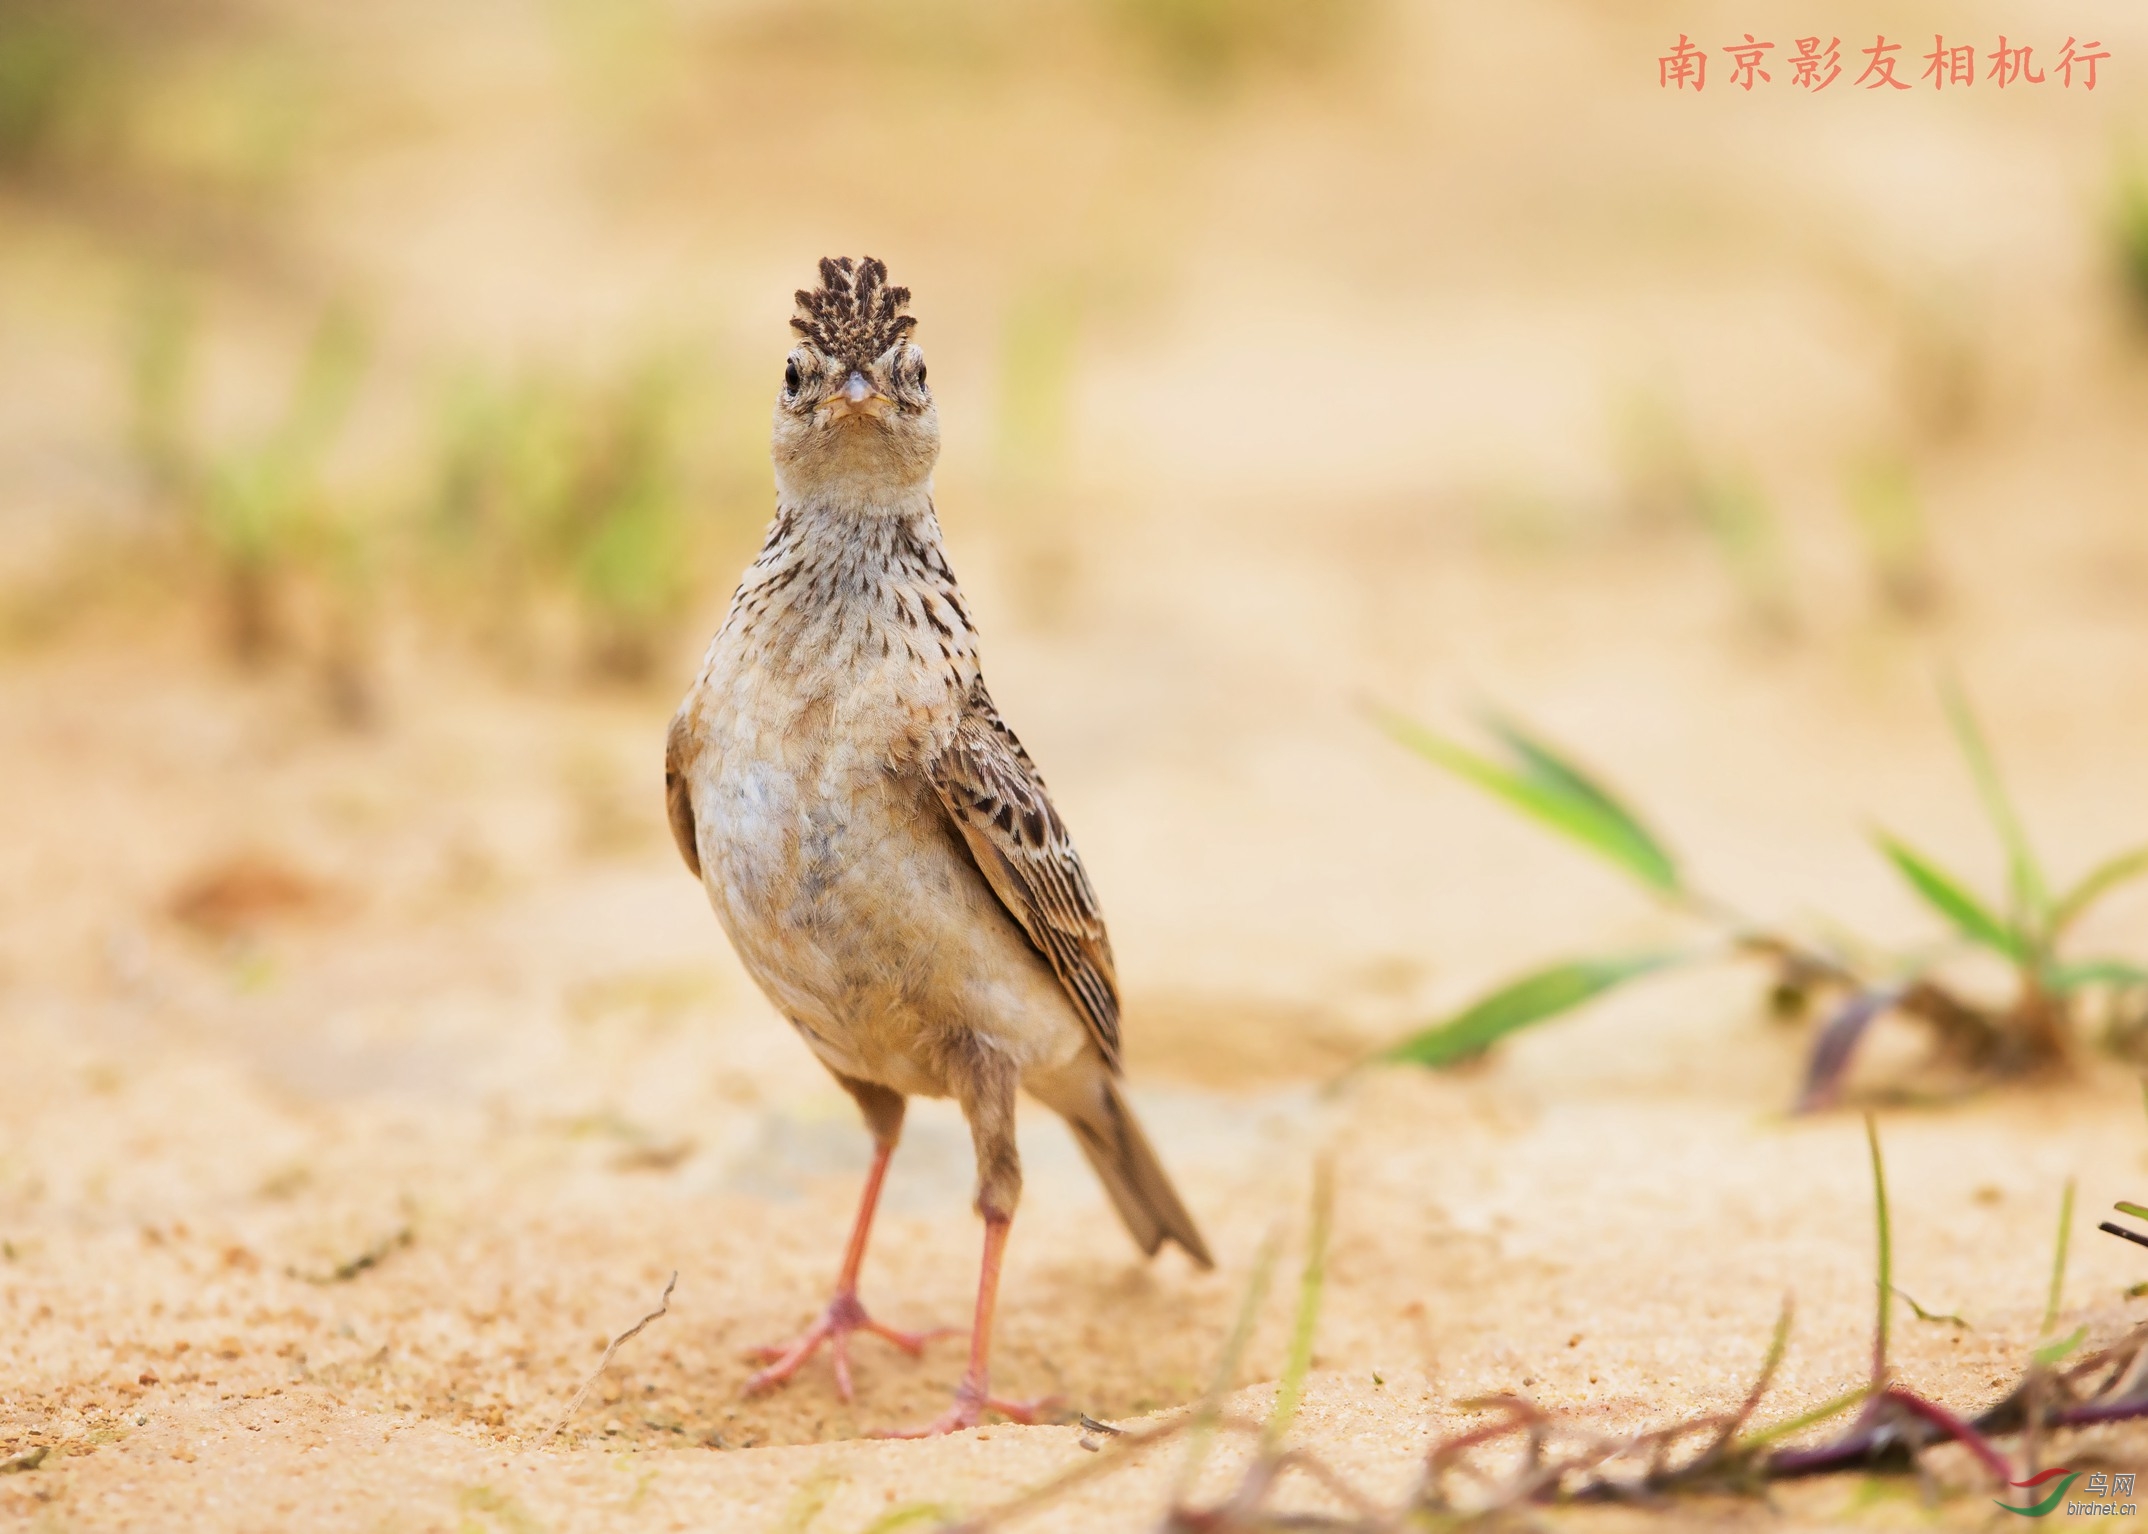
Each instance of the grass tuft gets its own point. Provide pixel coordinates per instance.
(553, 494)
(2055, 998)
(269, 542)
(1525, 1457)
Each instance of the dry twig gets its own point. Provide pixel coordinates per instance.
(348, 1269)
(663, 1305)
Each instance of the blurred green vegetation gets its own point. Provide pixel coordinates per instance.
(59, 68)
(1672, 482)
(1881, 490)
(254, 513)
(553, 518)
(1039, 336)
(2129, 230)
(1193, 47)
(43, 57)
(1206, 44)
(548, 488)
(2038, 1028)
(587, 510)
(551, 512)
(180, 123)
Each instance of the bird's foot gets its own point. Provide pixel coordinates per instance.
(972, 1401)
(844, 1315)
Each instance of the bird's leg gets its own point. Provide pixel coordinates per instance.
(846, 1313)
(990, 1107)
(973, 1397)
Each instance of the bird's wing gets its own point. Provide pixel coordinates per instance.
(678, 800)
(996, 799)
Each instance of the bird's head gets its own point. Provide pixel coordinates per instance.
(853, 415)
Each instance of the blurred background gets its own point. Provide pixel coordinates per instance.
(384, 425)
(1290, 354)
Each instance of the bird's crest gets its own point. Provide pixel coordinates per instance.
(853, 316)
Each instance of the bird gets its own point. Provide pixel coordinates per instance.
(873, 838)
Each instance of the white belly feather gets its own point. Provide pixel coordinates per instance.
(848, 894)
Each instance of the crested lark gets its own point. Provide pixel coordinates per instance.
(875, 841)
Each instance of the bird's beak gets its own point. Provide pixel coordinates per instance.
(856, 397)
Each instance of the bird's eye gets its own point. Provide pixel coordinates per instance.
(790, 378)
(921, 373)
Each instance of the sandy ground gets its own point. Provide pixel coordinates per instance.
(357, 1086)
(280, 997)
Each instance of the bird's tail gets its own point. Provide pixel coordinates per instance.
(1140, 1189)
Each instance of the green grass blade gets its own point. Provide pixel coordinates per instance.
(2058, 1259)
(1534, 998)
(2136, 1210)
(2030, 894)
(2055, 1352)
(1945, 894)
(809, 1499)
(914, 1513)
(1886, 1256)
(1761, 1437)
(1551, 792)
(1310, 1285)
(1643, 855)
(2100, 881)
(1210, 1407)
(2072, 977)
(1778, 1345)
(1929, 1315)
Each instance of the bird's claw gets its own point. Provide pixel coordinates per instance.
(844, 1315)
(971, 1403)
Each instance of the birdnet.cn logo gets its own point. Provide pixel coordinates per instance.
(2103, 1495)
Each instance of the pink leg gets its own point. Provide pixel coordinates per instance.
(845, 1314)
(973, 1397)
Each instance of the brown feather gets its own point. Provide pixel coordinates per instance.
(854, 316)
(678, 801)
(996, 798)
